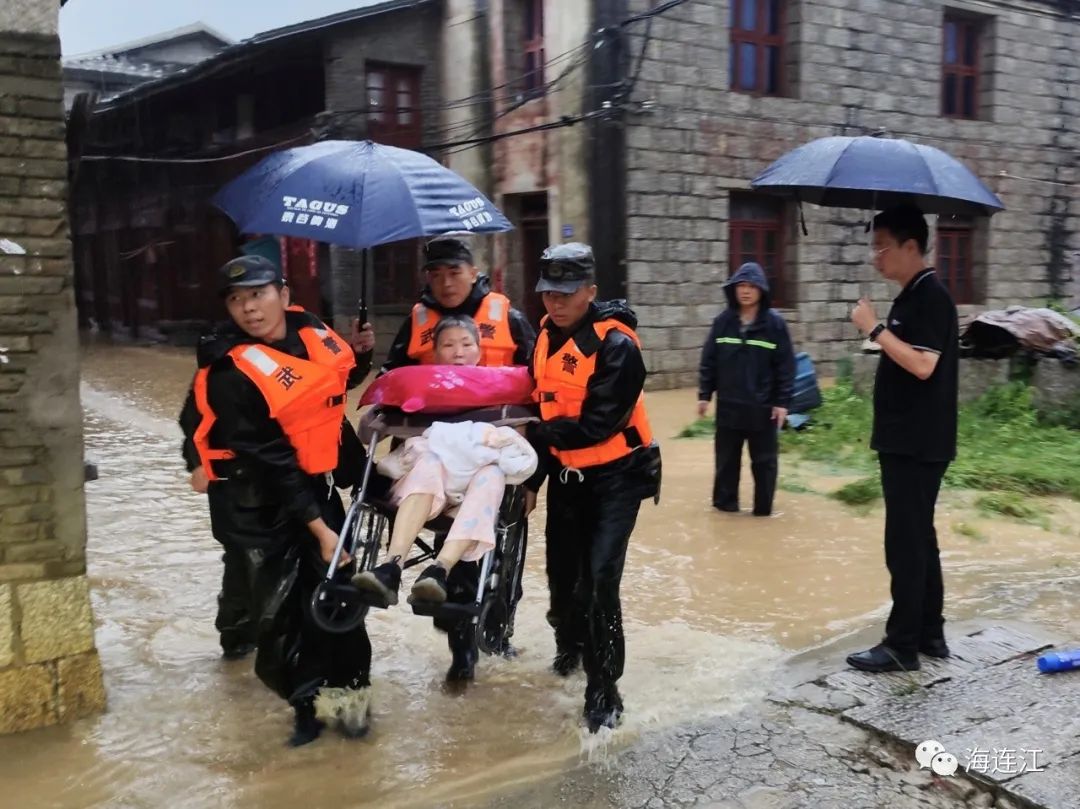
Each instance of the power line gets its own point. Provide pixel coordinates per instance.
(456, 146)
(94, 158)
(656, 12)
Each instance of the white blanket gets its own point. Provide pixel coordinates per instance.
(463, 449)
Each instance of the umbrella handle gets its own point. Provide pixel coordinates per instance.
(361, 305)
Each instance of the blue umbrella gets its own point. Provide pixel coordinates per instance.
(876, 173)
(356, 194)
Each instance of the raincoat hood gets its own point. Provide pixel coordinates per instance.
(615, 310)
(751, 273)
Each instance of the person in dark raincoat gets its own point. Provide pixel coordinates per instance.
(455, 287)
(749, 364)
(600, 462)
(270, 481)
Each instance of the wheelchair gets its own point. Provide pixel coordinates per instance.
(338, 607)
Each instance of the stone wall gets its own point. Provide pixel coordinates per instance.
(1055, 386)
(976, 376)
(857, 66)
(49, 669)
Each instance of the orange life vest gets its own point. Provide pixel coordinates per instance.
(561, 386)
(306, 397)
(497, 345)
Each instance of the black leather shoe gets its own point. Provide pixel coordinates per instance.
(731, 508)
(934, 648)
(881, 658)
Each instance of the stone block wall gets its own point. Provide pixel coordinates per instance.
(49, 669)
(856, 66)
(976, 377)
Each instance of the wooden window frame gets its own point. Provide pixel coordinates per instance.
(760, 227)
(950, 244)
(384, 121)
(532, 48)
(962, 69)
(761, 41)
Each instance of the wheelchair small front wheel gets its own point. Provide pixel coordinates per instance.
(337, 607)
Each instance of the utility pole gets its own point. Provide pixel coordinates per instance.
(607, 149)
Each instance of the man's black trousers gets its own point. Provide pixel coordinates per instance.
(587, 534)
(764, 446)
(235, 623)
(911, 488)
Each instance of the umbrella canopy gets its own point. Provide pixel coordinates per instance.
(876, 173)
(356, 194)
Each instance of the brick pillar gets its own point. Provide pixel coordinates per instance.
(49, 668)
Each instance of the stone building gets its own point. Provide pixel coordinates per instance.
(703, 94)
(147, 251)
(735, 83)
(122, 67)
(49, 668)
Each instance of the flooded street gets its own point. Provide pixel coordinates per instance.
(713, 604)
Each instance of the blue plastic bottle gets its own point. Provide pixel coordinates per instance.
(1052, 662)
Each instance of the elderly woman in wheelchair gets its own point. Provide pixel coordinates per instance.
(462, 467)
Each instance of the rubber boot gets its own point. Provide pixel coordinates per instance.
(306, 726)
(462, 641)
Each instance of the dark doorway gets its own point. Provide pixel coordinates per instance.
(534, 240)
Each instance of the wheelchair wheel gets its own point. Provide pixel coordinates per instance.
(496, 620)
(337, 607)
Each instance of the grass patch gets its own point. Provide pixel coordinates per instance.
(1003, 447)
(702, 428)
(1010, 504)
(839, 433)
(968, 530)
(859, 492)
(794, 487)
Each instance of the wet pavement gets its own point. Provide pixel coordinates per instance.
(714, 604)
(840, 739)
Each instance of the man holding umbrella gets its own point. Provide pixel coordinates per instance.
(915, 403)
(915, 392)
(456, 287)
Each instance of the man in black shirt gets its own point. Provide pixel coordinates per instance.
(915, 395)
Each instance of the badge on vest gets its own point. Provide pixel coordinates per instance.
(287, 377)
(569, 364)
(487, 330)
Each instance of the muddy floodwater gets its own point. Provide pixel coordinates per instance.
(713, 603)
